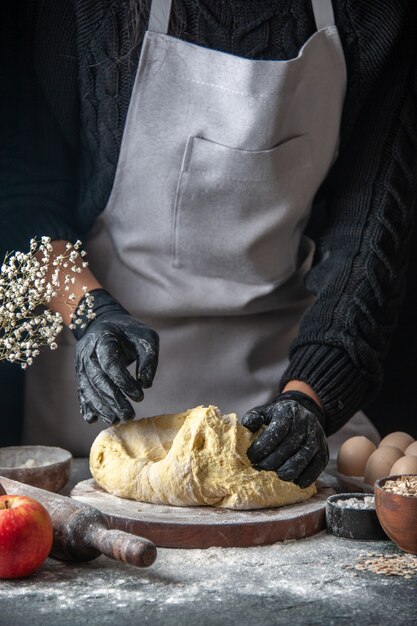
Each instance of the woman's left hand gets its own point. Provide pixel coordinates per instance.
(293, 443)
(109, 343)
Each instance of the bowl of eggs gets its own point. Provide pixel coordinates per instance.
(360, 463)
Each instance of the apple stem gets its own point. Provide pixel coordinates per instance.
(4, 504)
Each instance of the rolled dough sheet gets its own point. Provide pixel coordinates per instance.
(193, 458)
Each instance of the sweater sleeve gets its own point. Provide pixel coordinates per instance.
(362, 250)
(38, 157)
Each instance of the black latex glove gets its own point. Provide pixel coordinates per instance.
(105, 347)
(293, 443)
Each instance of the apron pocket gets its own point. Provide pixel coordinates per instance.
(237, 213)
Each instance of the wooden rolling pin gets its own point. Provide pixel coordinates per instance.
(81, 532)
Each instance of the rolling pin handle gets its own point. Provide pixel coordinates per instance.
(123, 546)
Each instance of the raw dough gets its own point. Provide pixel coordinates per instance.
(187, 459)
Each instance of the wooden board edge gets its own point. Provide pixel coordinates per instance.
(224, 535)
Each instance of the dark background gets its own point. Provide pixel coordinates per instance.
(396, 406)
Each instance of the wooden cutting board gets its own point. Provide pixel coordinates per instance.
(205, 527)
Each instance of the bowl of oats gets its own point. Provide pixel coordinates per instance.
(396, 508)
(46, 467)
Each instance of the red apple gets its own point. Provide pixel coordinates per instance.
(25, 536)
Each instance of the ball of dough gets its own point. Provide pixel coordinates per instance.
(188, 459)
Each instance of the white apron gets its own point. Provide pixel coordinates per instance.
(202, 238)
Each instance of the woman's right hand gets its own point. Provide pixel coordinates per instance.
(105, 347)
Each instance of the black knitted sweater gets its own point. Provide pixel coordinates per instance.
(68, 77)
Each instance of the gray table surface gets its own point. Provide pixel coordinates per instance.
(296, 582)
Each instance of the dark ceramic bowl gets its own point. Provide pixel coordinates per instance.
(45, 467)
(397, 514)
(345, 521)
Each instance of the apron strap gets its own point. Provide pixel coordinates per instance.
(159, 16)
(323, 13)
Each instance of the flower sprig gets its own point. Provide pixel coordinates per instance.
(28, 283)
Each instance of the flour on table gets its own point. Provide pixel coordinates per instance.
(193, 458)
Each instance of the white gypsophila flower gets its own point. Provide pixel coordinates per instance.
(28, 282)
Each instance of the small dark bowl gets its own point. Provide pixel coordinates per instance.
(45, 467)
(352, 523)
(397, 514)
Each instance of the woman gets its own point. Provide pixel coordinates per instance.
(241, 123)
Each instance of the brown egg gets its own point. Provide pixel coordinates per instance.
(353, 456)
(380, 462)
(404, 465)
(412, 449)
(397, 440)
